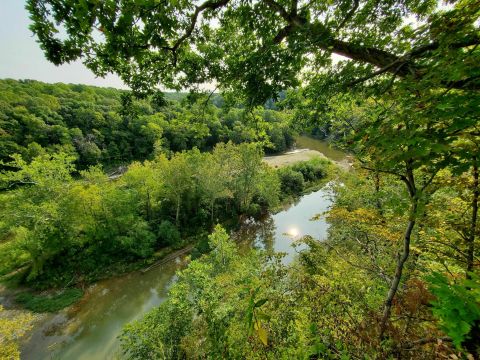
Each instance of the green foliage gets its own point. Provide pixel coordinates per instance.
(49, 303)
(312, 170)
(63, 230)
(292, 181)
(262, 48)
(168, 233)
(97, 126)
(251, 306)
(295, 178)
(456, 306)
(223, 249)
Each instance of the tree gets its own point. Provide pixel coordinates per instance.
(243, 167)
(146, 181)
(36, 208)
(411, 137)
(258, 47)
(176, 174)
(213, 183)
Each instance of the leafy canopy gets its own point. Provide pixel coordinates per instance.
(260, 47)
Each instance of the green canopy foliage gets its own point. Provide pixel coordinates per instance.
(109, 127)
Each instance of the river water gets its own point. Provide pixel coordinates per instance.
(307, 142)
(89, 330)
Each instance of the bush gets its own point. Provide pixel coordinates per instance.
(168, 234)
(139, 240)
(202, 246)
(49, 303)
(291, 182)
(254, 210)
(312, 170)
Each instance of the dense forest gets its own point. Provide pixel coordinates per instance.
(112, 128)
(393, 83)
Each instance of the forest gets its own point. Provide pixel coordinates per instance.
(99, 182)
(112, 128)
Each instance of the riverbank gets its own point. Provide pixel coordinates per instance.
(33, 298)
(305, 154)
(10, 290)
(292, 157)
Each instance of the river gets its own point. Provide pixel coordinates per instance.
(307, 142)
(89, 329)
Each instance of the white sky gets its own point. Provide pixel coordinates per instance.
(22, 58)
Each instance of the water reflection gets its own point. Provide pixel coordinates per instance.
(278, 232)
(256, 233)
(293, 232)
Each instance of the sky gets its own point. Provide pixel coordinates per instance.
(22, 58)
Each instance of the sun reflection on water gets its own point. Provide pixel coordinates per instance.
(293, 231)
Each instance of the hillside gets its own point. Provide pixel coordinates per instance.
(105, 126)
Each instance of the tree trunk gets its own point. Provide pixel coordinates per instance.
(473, 224)
(403, 257)
(177, 215)
(398, 275)
(377, 192)
(149, 207)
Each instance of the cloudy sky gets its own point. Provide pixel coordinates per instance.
(21, 57)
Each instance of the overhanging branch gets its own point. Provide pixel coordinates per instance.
(207, 5)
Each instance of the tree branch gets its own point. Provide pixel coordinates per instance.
(349, 14)
(386, 61)
(207, 5)
(291, 18)
(412, 344)
(406, 61)
(278, 8)
(402, 177)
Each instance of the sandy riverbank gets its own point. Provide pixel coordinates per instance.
(293, 157)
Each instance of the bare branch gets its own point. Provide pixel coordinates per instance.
(425, 341)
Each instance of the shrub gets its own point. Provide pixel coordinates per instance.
(168, 233)
(311, 170)
(292, 182)
(139, 240)
(49, 303)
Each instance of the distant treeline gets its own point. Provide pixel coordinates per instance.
(106, 126)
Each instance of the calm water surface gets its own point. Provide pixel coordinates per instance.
(89, 330)
(307, 142)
